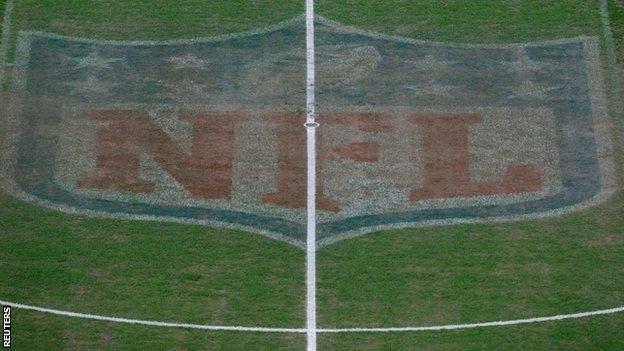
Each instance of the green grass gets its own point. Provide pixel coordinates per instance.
(471, 273)
(596, 334)
(151, 19)
(616, 9)
(36, 331)
(424, 276)
(469, 21)
(196, 273)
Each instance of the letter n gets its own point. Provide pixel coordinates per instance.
(123, 135)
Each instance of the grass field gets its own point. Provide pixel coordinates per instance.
(408, 277)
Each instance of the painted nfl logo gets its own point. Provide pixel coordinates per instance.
(210, 130)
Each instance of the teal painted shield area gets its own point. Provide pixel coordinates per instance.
(263, 74)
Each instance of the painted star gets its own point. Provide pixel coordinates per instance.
(187, 89)
(524, 64)
(96, 61)
(432, 87)
(530, 89)
(92, 86)
(189, 61)
(572, 132)
(430, 63)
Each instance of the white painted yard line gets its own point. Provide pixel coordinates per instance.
(4, 97)
(152, 323)
(310, 64)
(476, 325)
(606, 25)
(6, 36)
(311, 176)
(326, 330)
(614, 71)
(311, 242)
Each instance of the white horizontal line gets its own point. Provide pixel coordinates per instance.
(327, 330)
(152, 323)
(476, 325)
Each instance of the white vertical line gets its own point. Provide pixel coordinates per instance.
(6, 35)
(311, 189)
(4, 48)
(311, 242)
(310, 116)
(614, 71)
(610, 44)
(606, 24)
